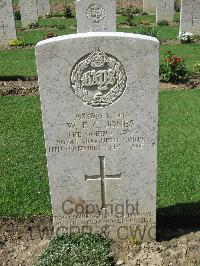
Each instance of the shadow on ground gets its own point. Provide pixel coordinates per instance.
(177, 220)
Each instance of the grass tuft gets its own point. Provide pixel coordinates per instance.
(77, 250)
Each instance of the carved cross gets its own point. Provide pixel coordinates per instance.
(194, 18)
(103, 178)
(3, 26)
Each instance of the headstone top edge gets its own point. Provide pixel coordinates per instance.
(97, 34)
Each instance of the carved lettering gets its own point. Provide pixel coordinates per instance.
(101, 78)
(98, 79)
(100, 132)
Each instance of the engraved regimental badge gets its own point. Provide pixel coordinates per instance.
(98, 79)
(96, 13)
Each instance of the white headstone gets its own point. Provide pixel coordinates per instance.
(149, 6)
(96, 15)
(99, 96)
(28, 10)
(43, 8)
(165, 10)
(190, 16)
(7, 22)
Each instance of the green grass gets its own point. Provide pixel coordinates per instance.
(177, 17)
(52, 23)
(164, 32)
(63, 26)
(59, 26)
(179, 139)
(21, 62)
(76, 250)
(24, 184)
(17, 63)
(23, 164)
(150, 18)
(167, 32)
(33, 37)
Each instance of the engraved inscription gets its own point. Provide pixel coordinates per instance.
(103, 178)
(96, 13)
(100, 132)
(135, 226)
(98, 79)
(97, 27)
(2, 4)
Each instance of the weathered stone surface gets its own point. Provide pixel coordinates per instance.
(28, 10)
(165, 10)
(43, 8)
(99, 95)
(96, 16)
(190, 16)
(149, 6)
(7, 22)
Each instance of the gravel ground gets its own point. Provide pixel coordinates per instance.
(19, 88)
(30, 88)
(22, 240)
(180, 251)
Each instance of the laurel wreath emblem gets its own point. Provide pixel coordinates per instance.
(98, 79)
(96, 13)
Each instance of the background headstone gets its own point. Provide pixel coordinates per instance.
(43, 8)
(28, 10)
(7, 22)
(149, 6)
(190, 16)
(99, 96)
(165, 10)
(96, 15)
